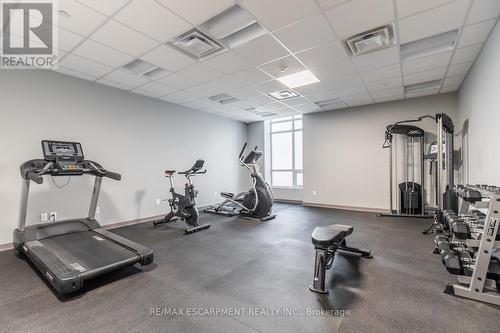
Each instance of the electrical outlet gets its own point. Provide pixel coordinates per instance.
(44, 217)
(216, 194)
(97, 210)
(53, 216)
(158, 201)
(314, 192)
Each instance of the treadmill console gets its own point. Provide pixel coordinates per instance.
(67, 156)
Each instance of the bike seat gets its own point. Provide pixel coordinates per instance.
(227, 195)
(169, 173)
(331, 234)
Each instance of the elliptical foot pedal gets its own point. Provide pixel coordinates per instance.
(319, 291)
(163, 221)
(267, 218)
(449, 290)
(196, 229)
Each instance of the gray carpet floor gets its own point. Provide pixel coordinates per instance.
(258, 267)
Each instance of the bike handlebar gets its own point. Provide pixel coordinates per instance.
(243, 150)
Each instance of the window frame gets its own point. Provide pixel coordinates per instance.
(294, 170)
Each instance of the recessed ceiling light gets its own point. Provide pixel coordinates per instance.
(423, 86)
(298, 79)
(64, 13)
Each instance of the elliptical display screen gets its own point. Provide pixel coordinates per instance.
(53, 150)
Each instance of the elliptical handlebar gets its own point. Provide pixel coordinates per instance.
(242, 150)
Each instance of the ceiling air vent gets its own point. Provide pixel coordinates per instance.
(372, 40)
(196, 44)
(223, 98)
(145, 69)
(281, 95)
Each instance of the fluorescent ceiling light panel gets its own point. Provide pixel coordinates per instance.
(139, 67)
(429, 46)
(298, 79)
(423, 86)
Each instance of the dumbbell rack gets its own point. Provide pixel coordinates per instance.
(477, 286)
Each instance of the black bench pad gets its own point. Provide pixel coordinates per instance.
(227, 195)
(331, 234)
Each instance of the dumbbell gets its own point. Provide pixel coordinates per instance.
(459, 263)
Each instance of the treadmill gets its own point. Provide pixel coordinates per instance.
(67, 253)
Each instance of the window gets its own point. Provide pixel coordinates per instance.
(286, 152)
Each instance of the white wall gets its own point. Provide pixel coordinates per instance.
(343, 157)
(479, 116)
(134, 135)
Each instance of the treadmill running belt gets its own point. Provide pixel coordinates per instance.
(81, 252)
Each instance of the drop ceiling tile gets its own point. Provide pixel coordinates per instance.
(376, 59)
(399, 91)
(278, 13)
(335, 71)
(84, 66)
(354, 17)
(476, 33)
(107, 7)
(145, 92)
(330, 3)
(269, 86)
(153, 20)
(227, 62)
(83, 20)
(394, 82)
(126, 78)
(435, 21)
(324, 55)
(449, 89)
(307, 108)
(275, 105)
(483, 10)
(261, 50)
(156, 89)
(246, 77)
(200, 72)
(196, 11)
(310, 32)
(102, 54)
(427, 63)
(177, 81)
(295, 101)
(114, 84)
(460, 69)
(200, 103)
(74, 73)
(320, 95)
(358, 100)
(466, 54)
(67, 40)
(260, 100)
(435, 74)
(350, 91)
(378, 74)
(335, 82)
(410, 7)
(243, 93)
(291, 63)
(167, 57)
(124, 39)
(453, 81)
(334, 106)
(181, 97)
(311, 88)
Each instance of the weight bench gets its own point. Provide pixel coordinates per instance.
(327, 240)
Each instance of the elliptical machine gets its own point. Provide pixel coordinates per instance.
(256, 202)
(184, 206)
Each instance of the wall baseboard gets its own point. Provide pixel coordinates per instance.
(288, 201)
(10, 246)
(353, 208)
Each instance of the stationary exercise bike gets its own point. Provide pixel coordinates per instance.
(256, 202)
(184, 206)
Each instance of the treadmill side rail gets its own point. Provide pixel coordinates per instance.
(143, 252)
